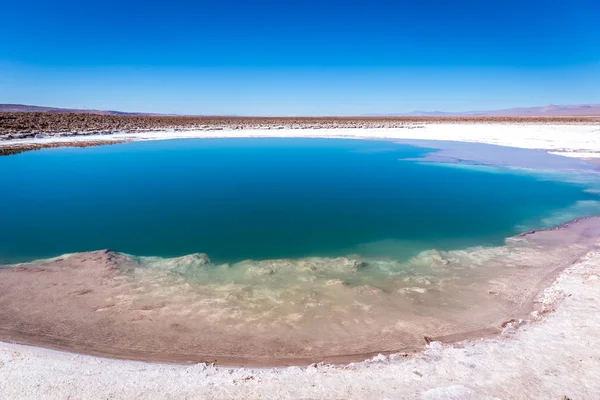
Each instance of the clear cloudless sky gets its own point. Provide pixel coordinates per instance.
(299, 57)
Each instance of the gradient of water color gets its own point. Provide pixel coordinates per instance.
(237, 199)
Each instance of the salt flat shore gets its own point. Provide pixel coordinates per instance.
(572, 140)
(551, 353)
(14, 125)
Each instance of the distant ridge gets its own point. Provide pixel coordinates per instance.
(28, 108)
(576, 110)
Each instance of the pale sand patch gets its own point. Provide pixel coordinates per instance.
(557, 355)
(280, 312)
(579, 141)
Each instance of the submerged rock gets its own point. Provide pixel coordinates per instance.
(259, 271)
(336, 282)
(189, 265)
(430, 258)
(190, 261)
(310, 265)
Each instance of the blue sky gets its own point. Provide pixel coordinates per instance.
(299, 58)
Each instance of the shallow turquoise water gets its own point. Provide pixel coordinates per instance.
(236, 199)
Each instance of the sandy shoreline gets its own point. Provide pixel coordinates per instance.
(110, 304)
(554, 353)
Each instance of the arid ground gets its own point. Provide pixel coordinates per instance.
(28, 124)
(544, 351)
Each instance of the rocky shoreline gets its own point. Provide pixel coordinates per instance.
(557, 228)
(21, 148)
(28, 125)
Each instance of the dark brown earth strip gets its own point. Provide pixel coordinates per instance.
(21, 148)
(20, 125)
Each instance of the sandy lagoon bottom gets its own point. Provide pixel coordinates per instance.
(112, 304)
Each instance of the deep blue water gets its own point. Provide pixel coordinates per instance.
(259, 198)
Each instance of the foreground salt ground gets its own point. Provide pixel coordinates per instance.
(580, 141)
(548, 358)
(551, 355)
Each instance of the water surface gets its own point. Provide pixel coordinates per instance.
(237, 199)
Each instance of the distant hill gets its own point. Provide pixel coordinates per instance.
(577, 110)
(27, 108)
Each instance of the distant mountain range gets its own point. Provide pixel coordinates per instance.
(26, 108)
(577, 110)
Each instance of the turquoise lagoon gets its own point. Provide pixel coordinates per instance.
(238, 199)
